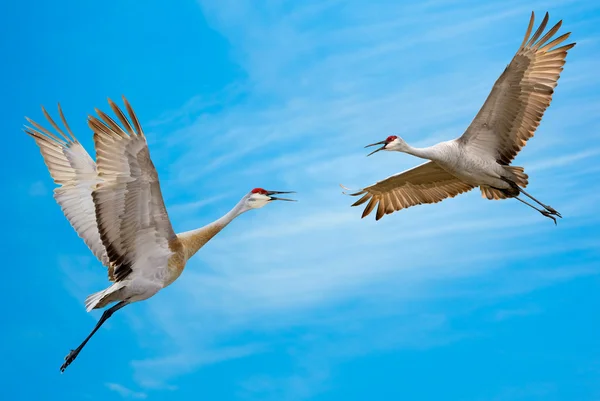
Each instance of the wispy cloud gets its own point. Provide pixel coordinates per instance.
(564, 160)
(538, 390)
(126, 392)
(189, 359)
(83, 275)
(505, 314)
(38, 188)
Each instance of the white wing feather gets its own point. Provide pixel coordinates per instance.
(72, 168)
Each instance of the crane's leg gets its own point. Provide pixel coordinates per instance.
(107, 313)
(544, 212)
(548, 208)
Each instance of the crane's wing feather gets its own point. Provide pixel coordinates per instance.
(131, 214)
(519, 98)
(72, 168)
(426, 183)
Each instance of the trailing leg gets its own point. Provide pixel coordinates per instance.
(543, 212)
(548, 208)
(107, 313)
(515, 190)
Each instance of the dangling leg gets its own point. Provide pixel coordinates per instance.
(548, 208)
(107, 313)
(544, 212)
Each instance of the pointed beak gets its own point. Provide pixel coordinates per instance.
(375, 144)
(269, 193)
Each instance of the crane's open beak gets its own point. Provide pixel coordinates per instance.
(375, 144)
(269, 193)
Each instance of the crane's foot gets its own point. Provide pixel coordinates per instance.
(549, 215)
(552, 211)
(69, 359)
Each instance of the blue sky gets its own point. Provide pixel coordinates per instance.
(464, 300)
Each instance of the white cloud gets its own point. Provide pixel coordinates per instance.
(506, 314)
(536, 390)
(84, 275)
(38, 188)
(191, 358)
(126, 392)
(564, 160)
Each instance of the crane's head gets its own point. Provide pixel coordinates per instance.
(392, 142)
(259, 197)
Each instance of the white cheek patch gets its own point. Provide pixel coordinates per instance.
(393, 145)
(258, 200)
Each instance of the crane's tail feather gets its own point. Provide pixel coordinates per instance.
(516, 175)
(102, 298)
(92, 301)
(519, 176)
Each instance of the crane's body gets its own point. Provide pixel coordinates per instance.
(467, 166)
(482, 156)
(115, 205)
(141, 284)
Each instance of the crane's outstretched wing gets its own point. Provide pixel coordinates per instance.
(72, 168)
(516, 104)
(132, 218)
(426, 183)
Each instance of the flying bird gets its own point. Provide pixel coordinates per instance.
(115, 205)
(481, 157)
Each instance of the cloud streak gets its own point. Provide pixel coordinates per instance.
(126, 392)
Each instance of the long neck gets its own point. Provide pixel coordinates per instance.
(193, 240)
(429, 153)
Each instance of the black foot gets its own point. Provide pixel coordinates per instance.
(68, 359)
(549, 215)
(552, 211)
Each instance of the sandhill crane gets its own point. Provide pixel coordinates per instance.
(481, 156)
(115, 205)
